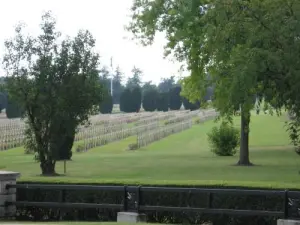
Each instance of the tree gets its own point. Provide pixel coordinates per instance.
(131, 100)
(249, 47)
(150, 100)
(175, 100)
(166, 84)
(209, 93)
(105, 78)
(118, 88)
(136, 99)
(106, 106)
(135, 80)
(3, 101)
(125, 101)
(162, 102)
(56, 82)
(148, 86)
(13, 110)
(189, 105)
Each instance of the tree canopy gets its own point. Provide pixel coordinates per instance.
(248, 47)
(150, 100)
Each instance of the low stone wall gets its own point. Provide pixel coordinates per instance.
(7, 195)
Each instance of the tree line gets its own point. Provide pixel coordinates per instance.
(130, 97)
(135, 94)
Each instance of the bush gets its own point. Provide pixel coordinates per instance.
(80, 148)
(198, 121)
(224, 140)
(190, 106)
(106, 106)
(149, 100)
(133, 146)
(175, 100)
(131, 100)
(13, 110)
(162, 102)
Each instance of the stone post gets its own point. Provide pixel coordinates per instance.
(131, 217)
(7, 195)
(288, 222)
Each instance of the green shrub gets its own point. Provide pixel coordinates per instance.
(224, 140)
(198, 121)
(167, 122)
(133, 146)
(28, 151)
(80, 148)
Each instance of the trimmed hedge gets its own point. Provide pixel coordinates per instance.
(229, 201)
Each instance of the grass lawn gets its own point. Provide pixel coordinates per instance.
(182, 158)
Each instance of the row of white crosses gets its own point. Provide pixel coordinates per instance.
(11, 133)
(118, 135)
(139, 130)
(13, 130)
(117, 125)
(159, 117)
(146, 138)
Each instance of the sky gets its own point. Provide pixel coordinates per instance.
(105, 19)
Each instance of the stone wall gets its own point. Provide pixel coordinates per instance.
(7, 195)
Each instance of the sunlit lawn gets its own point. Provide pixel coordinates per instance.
(182, 158)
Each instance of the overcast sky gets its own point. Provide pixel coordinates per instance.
(104, 18)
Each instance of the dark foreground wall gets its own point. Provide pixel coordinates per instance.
(152, 198)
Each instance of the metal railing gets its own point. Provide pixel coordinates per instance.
(141, 206)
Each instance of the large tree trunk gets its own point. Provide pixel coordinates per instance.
(244, 146)
(48, 168)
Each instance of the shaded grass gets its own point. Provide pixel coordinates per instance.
(180, 159)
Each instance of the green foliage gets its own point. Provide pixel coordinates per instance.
(131, 100)
(148, 86)
(80, 148)
(56, 82)
(117, 85)
(224, 139)
(133, 146)
(175, 100)
(124, 99)
(189, 105)
(150, 100)
(106, 106)
(241, 48)
(197, 121)
(67, 140)
(166, 84)
(135, 80)
(13, 110)
(136, 99)
(3, 101)
(162, 102)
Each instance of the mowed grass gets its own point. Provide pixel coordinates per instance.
(180, 159)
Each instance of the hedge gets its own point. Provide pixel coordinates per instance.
(161, 198)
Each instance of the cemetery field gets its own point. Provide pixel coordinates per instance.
(182, 158)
